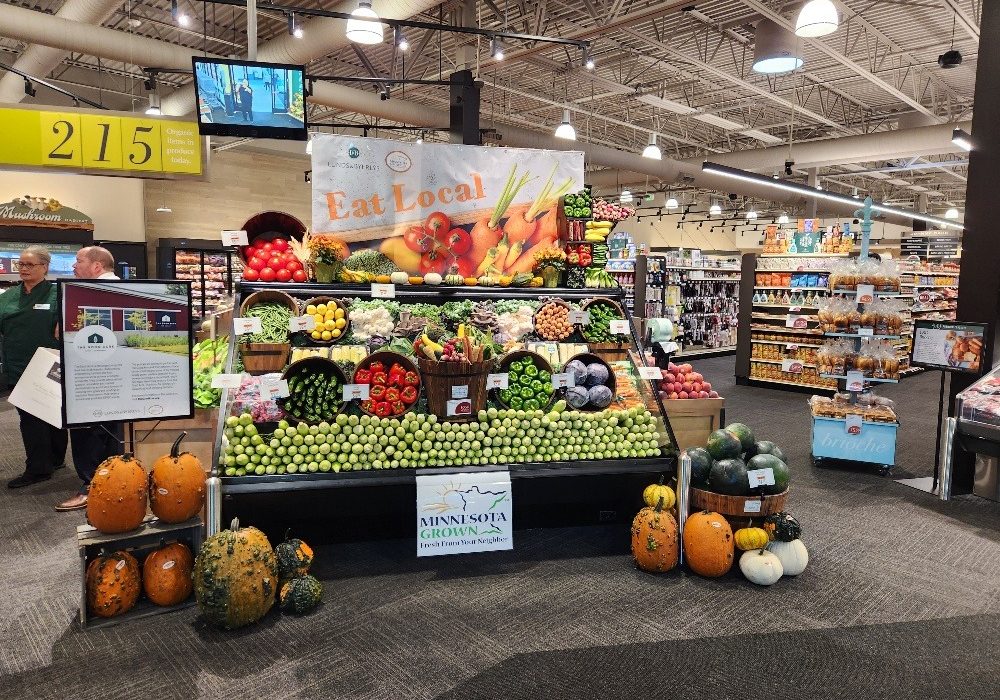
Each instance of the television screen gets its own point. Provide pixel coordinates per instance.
(246, 98)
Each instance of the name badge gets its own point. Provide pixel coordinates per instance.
(43, 307)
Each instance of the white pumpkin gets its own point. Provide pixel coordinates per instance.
(760, 567)
(793, 556)
(399, 278)
(433, 278)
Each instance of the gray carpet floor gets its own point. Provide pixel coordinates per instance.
(901, 599)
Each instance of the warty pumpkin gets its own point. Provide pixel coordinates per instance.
(761, 567)
(793, 555)
(116, 501)
(301, 594)
(235, 577)
(176, 485)
(166, 574)
(748, 538)
(652, 493)
(294, 558)
(112, 584)
(782, 527)
(708, 544)
(655, 544)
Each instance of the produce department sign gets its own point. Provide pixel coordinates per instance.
(462, 513)
(490, 199)
(126, 350)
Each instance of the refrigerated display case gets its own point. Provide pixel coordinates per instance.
(212, 270)
(978, 429)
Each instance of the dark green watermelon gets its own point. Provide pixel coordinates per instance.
(723, 444)
(701, 465)
(780, 469)
(766, 447)
(745, 435)
(729, 476)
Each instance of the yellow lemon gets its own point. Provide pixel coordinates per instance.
(318, 318)
(339, 313)
(340, 323)
(334, 333)
(311, 309)
(315, 335)
(329, 325)
(326, 335)
(331, 306)
(329, 316)
(321, 309)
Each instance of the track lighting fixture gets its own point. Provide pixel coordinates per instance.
(588, 61)
(496, 49)
(384, 93)
(29, 89)
(364, 26)
(293, 26)
(401, 43)
(788, 168)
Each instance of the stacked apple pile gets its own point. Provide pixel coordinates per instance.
(682, 382)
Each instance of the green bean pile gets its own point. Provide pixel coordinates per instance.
(273, 322)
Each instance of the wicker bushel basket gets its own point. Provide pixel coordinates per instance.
(446, 382)
(262, 358)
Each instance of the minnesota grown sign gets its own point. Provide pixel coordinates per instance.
(461, 513)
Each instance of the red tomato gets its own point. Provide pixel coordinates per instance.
(267, 245)
(293, 265)
(257, 264)
(279, 244)
(436, 260)
(283, 275)
(288, 256)
(299, 275)
(459, 241)
(438, 225)
(417, 239)
(267, 275)
(463, 267)
(251, 275)
(275, 262)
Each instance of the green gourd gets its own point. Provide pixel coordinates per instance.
(301, 594)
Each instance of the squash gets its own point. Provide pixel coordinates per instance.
(414, 279)
(433, 278)
(301, 594)
(454, 280)
(166, 574)
(655, 544)
(748, 538)
(708, 544)
(177, 485)
(761, 567)
(112, 584)
(399, 278)
(782, 527)
(235, 577)
(652, 494)
(294, 558)
(793, 556)
(116, 501)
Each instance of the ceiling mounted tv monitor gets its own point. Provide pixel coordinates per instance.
(250, 99)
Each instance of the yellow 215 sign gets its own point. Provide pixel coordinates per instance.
(104, 141)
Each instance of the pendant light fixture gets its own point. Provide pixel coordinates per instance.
(565, 130)
(817, 18)
(715, 209)
(364, 26)
(496, 49)
(626, 197)
(951, 213)
(154, 105)
(751, 215)
(776, 50)
(783, 219)
(671, 202)
(652, 150)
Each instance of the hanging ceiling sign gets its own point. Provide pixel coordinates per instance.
(42, 212)
(434, 207)
(100, 142)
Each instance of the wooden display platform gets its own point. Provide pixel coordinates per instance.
(693, 420)
(153, 438)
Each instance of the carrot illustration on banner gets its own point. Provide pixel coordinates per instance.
(522, 226)
(487, 235)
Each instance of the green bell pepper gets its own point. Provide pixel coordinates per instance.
(516, 403)
(531, 370)
(526, 392)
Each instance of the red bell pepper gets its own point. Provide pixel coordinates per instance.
(383, 409)
(376, 367)
(379, 378)
(392, 394)
(409, 394)
(397, 375)
(411, 379)
(362, 376)
(398, 408)
(366, 406)
(377, 392)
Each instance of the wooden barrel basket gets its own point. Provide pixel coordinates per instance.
(456, 391)
(262, 358)
(734, 508)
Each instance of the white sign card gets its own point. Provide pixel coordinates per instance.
(855, 381)
(579, 318)
(462, 513)
(792, 366)
(618, 327)
(651, 373)
(792, 321)
(126, 350)
(498, 381)
(227, 381)
(251, 324)
(563, 380)
(356, 392)
(866, 332)
(760, 477)
(951, 346)
(39, 390)
(271, 389)
(458, 407)
(301, 323)
(460, 392)
(383, 291)
(853, 424)
(751, 506)
(866, 294)
(234, 238)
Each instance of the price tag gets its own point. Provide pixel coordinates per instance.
(250, 324)
(579, 318)
(232, 239)
(301, 323)
(563, 380)
(869, 332)
(227, 381)
(619, 327)
(551, 348)
(650, 373)
(866, 294)
(271, 389)
(760, 477)
(855, 381)
(460, 392)
(459, 407)
(795, 309)
(751, 506)
(793, 366)
(792, 321)
(497, 381)
(853, 424)
(356, 392)
(383, 291)
(791, 347)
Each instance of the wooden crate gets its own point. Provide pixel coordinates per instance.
(154, 437)
(151, 535)
(694, 419)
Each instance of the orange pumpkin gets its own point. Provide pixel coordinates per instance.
(117, 498)
(708, 544)
(176, 485)
(112, 584)
(166, 574)
(655, 544)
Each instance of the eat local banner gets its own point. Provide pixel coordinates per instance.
(468, 210)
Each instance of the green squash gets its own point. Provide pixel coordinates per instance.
(701, 465)
(744, 433)
(777, 467)
(235, 577)
(723, 444)
(729, 476)
(301, 594)
(294, 558)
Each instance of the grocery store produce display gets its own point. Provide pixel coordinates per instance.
(330, 317)
(708, 544)
(529, 381)
(594, 383)
(602, 312)
(655, 541)
(682, 382)
(209, 359)
(272, 260)
(722, 466)
(393, 384)
(314, 388)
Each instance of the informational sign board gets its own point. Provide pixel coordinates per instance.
(462, 513)
(948, 345)
(126, 350)
(96, 140)
(39, 390)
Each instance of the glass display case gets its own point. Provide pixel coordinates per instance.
(978, 407)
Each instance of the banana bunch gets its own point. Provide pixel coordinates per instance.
(597, 231)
